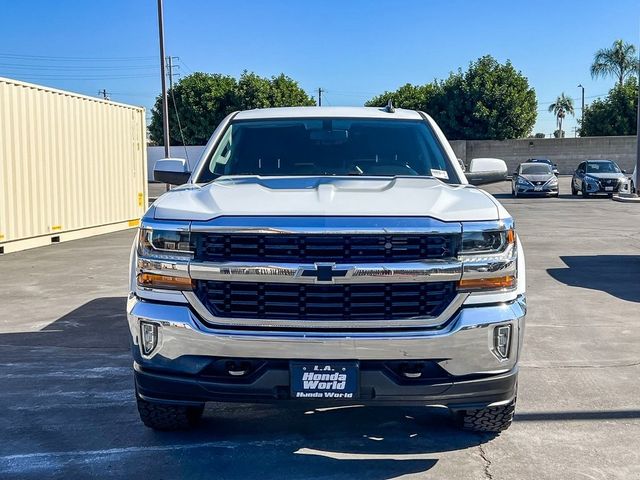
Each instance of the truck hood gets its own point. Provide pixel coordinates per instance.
(327, 196)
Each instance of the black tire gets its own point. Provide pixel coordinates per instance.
(573, 189)
(490, 419)
(584, 190)
(632, 188)
(168, 417)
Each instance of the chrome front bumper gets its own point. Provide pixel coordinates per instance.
(464, 346)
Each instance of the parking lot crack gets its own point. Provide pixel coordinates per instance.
(486, 461)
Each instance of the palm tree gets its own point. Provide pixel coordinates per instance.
(619, 61)
(560, 108)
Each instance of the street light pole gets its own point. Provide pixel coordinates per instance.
(165, 104)
(581, 110)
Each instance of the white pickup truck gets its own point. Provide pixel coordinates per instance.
(327, 256)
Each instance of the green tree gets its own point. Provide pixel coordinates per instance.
(488, 101)
(613, 115)
(560, 108)
(412, 97)
(202, 100)
(619, 61)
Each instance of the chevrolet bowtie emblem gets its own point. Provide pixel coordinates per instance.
(323, 272)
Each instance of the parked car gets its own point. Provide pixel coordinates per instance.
(534, 178)
(599, 176)
(328, 255)
(553, 166)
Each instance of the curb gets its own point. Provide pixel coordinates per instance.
(626, 199)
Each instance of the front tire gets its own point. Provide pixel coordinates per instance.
(573, 189)
(490, 419)
(168, 417)
(584, 191)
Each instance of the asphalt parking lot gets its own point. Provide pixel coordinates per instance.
(67, 401)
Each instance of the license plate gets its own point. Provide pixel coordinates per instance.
(325, 380)
(537, 189)
(608, 189)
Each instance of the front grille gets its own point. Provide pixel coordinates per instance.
(324, 302)
(220, 247)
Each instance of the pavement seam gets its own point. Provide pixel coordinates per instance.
(487, 462)
(619, 365)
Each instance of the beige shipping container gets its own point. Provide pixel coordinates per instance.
(71, 166)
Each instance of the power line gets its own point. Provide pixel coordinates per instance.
(66, 59)
(185, 65)
(75, 77)
(76, 67)
(173, 98)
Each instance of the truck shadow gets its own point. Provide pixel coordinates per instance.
(616, 275)
(69, 404)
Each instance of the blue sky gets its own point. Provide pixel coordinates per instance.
(353, 49)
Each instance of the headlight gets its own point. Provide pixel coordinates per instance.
(591, 179)
(164, 244)
(489, 257)
(487, 241)
(163, 257)
(552, 181)
(523, 182)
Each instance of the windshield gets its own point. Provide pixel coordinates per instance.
(329, 147)
(602, 167)
(535, 169)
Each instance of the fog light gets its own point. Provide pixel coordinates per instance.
(501, 341)
(148, 337)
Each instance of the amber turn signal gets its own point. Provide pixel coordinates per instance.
(495, 283)
(511, 236)
(167, 282)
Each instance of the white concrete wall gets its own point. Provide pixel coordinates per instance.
(566, 152)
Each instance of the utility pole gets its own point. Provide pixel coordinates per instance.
(163, 75)
(581, 110)
(104, 94)
(170, 67)
(320, 90)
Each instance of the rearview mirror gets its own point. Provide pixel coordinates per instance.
(329, 137)
(174, 171)
(486, 170)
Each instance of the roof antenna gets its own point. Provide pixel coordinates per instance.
(390, 108)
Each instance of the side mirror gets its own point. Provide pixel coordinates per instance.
(624, 171)
(174, 171)
(486, 170)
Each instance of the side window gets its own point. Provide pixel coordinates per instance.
(581, 168)
(223, 153)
